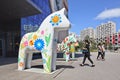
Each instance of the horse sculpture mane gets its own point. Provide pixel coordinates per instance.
(42, 41)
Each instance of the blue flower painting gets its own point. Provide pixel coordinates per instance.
(39, 44)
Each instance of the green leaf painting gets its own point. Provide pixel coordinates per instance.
(45, 54)
(47, 39)
(19, 59)
(44, 50)
(71, 39)
(48, 63)
(30, 36)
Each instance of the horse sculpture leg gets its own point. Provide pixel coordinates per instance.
(29, 59)
(47, 62)
(54, 55)
(23, 54)
(21, 60)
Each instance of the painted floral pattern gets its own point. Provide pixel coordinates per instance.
(21, 64)
(39, 44)
(34, 41)
(55, 20)
(40, 40)
(66, 43)
(42, 32)
(31, 42)
(35, 37)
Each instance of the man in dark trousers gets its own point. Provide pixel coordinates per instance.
(86, 52)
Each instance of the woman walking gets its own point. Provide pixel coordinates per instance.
(86, 52)
(100, 54)
(103, 51)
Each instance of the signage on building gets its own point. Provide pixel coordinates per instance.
(30, 28)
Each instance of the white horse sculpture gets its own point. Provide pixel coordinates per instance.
(65, 45)
(44, 40)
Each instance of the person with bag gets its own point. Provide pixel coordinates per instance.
(99, 52)
(86, 52)
(103, 51)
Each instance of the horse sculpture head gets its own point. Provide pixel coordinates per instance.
(57, 20)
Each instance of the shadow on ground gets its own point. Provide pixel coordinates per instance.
(57, 66)
(11, 60)
(77, 55)
(37, 66)
(64, 66)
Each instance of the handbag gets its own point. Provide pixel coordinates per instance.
(84, 51)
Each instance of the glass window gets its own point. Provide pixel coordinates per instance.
(35, 19)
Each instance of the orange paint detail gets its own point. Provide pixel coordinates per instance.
(55, 19)
(66, 39)
(31, 42)
(67, 53)
(35, 37)
(21, 64)
(22, 45)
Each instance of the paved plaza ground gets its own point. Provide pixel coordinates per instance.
(103, 70)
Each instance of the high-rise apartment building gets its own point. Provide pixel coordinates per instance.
(117, 39)
(114, 39)
(87, 32)
(104, 30)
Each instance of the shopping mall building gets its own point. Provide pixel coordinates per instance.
(18, 17)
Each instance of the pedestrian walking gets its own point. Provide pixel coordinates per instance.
(86, 52)
(100, 54)
(103, 51)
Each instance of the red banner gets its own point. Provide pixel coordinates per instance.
(119, 38)
(113, 39)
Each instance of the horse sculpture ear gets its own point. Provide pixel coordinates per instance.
(63, 10)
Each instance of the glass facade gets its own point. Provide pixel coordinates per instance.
(9, 43)
(32, 23)
(0, 47)
(10, 39)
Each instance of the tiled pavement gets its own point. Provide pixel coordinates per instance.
(103, 70)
